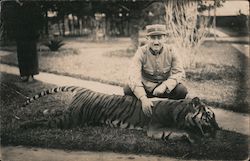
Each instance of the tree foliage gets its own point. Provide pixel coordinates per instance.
(138, 14)
(20, 20)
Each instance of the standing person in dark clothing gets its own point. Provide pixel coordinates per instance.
(27, 59)
(28, 22)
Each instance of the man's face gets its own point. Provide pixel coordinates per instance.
(156, 42)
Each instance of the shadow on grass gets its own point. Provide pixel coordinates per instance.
(205, 72)
(241, 98)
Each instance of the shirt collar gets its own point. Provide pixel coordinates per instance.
(155, 53)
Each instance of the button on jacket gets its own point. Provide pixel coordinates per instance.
(149, 69)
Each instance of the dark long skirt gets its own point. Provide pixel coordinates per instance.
(27, 57)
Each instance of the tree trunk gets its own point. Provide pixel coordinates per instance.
(46, 24)
(59, 28)
(214, 21)
(80, 25)
(73, 25)
(63, 26)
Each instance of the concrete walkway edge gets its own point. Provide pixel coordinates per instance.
(20, 153)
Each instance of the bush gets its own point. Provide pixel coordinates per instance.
(54, 45)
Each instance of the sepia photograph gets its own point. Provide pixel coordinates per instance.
(124, 80)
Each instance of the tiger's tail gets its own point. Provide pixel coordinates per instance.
(51, 91)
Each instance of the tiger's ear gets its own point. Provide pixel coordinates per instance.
(196, 101)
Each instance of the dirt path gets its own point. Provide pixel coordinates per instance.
(21, 153)
(232, 121)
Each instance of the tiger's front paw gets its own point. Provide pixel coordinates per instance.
(165, 137)
(180, 136)
(187, 138)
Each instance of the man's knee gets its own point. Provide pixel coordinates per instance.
(179, 92)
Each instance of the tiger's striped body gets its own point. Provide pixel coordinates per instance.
(93, 108)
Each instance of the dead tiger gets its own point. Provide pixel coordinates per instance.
(171, 119)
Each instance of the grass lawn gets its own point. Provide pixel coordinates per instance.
(218, 76)
(225, 146)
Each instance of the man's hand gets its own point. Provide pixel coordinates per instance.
(147, 105)
(160, 90)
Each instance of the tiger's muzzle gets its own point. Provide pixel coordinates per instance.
(202, 123)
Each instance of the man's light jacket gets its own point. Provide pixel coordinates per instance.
(149, 69)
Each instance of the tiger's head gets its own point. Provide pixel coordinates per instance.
(201, 119)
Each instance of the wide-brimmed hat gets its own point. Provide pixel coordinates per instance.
(156, 29)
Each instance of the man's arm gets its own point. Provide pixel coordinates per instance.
(135, 82)
(177, 72)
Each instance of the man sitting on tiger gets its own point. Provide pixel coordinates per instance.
(156, 70)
